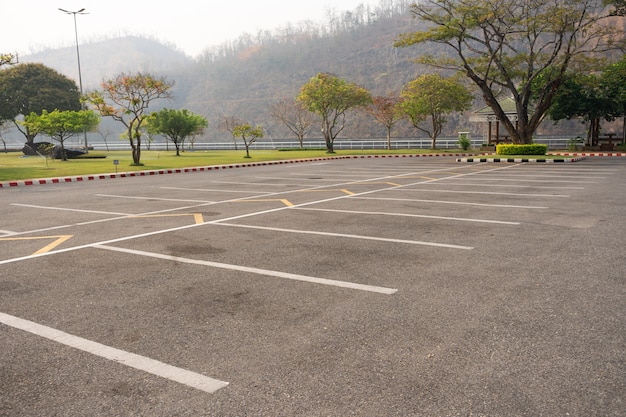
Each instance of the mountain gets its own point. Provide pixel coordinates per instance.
(243, 77)
(110, 57)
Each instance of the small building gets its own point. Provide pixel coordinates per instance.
(488, 119)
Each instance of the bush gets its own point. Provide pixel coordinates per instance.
(514, 149)
(464, 142)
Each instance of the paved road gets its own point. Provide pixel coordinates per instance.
(366, 287)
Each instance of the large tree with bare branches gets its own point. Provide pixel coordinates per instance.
(504, 46)
(294, 115)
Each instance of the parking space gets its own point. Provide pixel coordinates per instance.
(371, 287)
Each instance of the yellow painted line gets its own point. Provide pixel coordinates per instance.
(348, 192)
(58, 240)
(282, 200)
(197, 216)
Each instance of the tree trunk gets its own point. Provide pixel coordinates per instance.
(136, 151)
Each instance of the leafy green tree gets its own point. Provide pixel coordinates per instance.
(581, 96)
(176, 125)
(32, 88)
(126, 99)
(504, 45)
(613, 79)
(431, 97)
(386, 110)
(62, 125)
(330, 97)
(248, 134)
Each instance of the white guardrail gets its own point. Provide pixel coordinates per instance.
(340, 144)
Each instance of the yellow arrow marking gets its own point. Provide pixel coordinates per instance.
(197, 216)
(59, 239)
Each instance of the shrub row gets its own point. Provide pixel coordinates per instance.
(514, 149)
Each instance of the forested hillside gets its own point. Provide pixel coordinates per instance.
(243, 77)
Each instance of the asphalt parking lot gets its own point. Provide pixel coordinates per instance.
(361, 287)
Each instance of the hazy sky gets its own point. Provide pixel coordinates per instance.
(31, 25)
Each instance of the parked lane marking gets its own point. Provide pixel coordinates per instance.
(58, 240)
(423, 216)
(362, 237)
(70, 209)
(181, 200)
(258, 271)
(282, 200)
(197, 216)
(482, 192)
(142, 363)
(463, 203)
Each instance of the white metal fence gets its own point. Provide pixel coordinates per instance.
(340, 144)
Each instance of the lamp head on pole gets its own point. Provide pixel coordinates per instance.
(77, 12)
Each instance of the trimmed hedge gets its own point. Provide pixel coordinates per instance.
(514, 149)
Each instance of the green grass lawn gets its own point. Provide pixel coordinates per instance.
(16, 166)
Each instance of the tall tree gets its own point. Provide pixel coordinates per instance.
(581, 96)
(62, 125)
(176, 125)
(613, 79)
(126, 99)
(330, 97)
(433, 97)
(504, 45)
(32, 88)
(294, 115)
(386, 111)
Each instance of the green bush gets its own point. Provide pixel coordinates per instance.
(514, 149)
(464, 142)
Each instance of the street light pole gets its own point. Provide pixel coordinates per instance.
(80, 76)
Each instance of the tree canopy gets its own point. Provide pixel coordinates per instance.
(126, 99)
(32, 88)
(62, 125)
(387, 112)
(504, 45)
(614, 83)
(248, 134)
(433, 97)
(176, 125)
(330, 97)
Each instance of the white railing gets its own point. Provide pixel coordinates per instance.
(340, 144)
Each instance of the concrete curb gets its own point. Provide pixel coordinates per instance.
(94, 177)
(522, 160)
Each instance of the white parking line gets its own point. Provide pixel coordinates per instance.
(463, 203)
(481, 192)
(379, 239)
(423, 216)
(142, 363)
(152, 198)
(510, 186)
(259, 271)
(69, 209)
